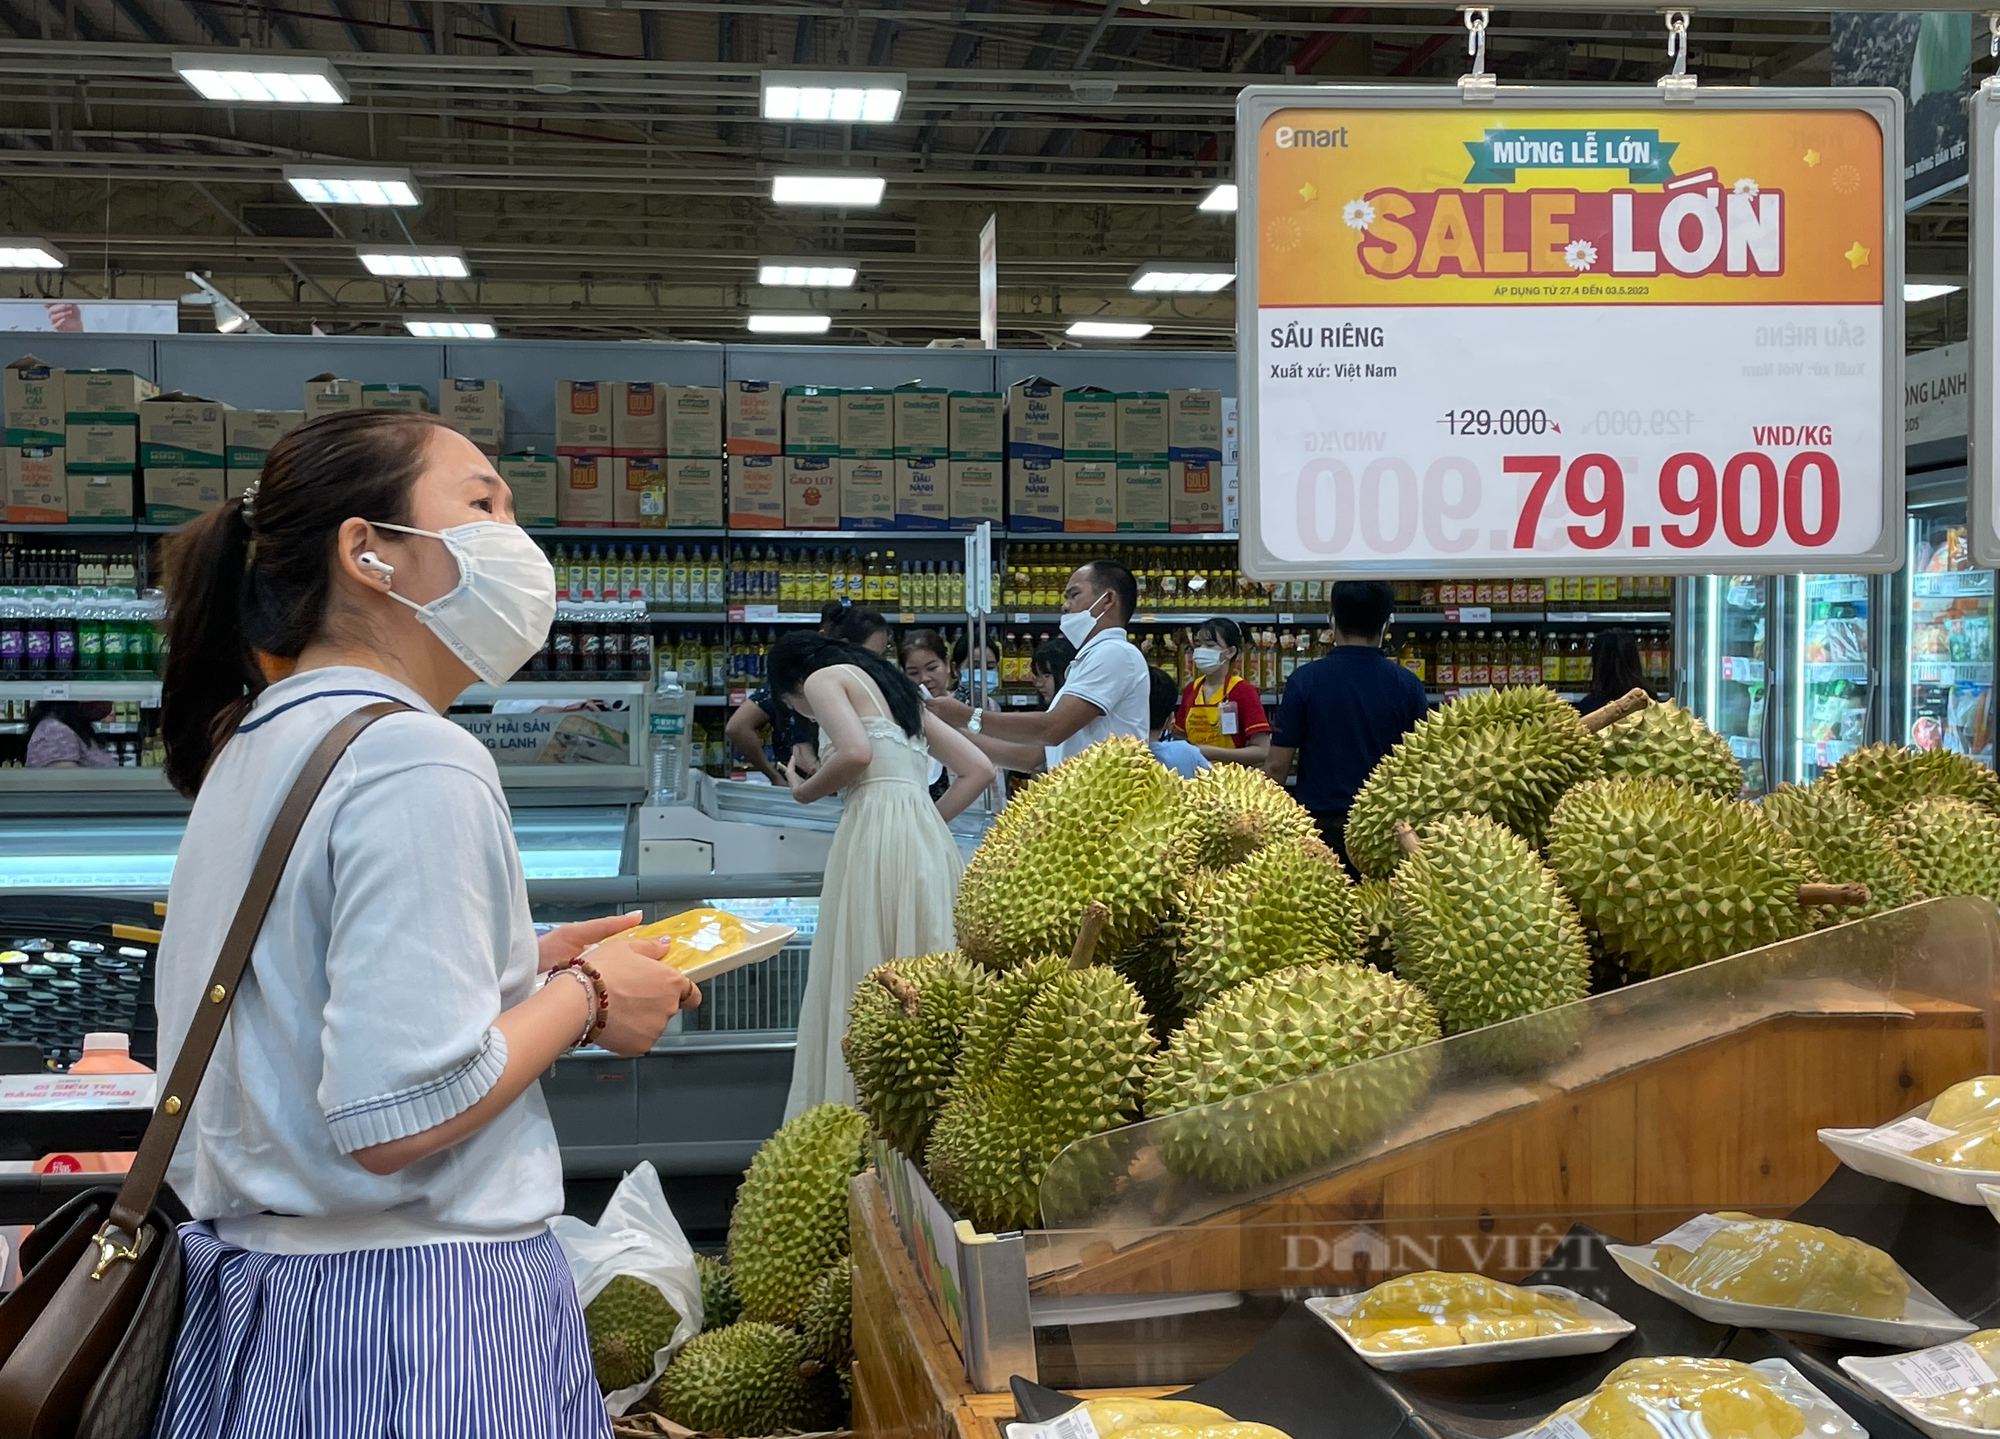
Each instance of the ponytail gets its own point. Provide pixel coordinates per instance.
(804, 653)
(212, 675)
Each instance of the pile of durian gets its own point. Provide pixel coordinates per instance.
(1515, 853)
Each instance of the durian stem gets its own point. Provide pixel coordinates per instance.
(1629, 703)
(1811, 895)
(901, 990)
(1406, 838)
(1094, 918)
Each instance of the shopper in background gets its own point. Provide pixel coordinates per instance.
(854, 624)
(1049, 666)
(1177, 755)
(1104, 692)
(1344, 711)
(1220, 713)
(1615, 669)
(927, 662)
(892, 872)
(61, 735)
(961, 661)
(793, 735)
(370, 1164)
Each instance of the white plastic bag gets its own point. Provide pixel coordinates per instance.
(638, 1235)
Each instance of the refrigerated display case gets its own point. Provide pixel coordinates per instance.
(1732, 663)
(1830, 671)
(1943, 672)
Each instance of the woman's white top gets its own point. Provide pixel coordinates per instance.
(399, 932)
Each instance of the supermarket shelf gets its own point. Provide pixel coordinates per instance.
(553, 688)
(690, 617)
(1610, 617)
(1112, 537)
(1746, 746)
(1945, 672)
(75, 781)
(1174, 617)
(957, 537)
(740, 615)
(146, 691)
(1494, 615)
(623, 532)
(1832, 671)
(88, 527)
(1952, 583)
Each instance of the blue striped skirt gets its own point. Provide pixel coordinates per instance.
(437, 1341)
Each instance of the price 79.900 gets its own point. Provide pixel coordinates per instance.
(1749, 475)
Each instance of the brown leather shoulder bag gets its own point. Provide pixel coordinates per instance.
(85, 1339)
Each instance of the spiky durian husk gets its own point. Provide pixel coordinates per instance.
(1252, 1090)
(747, 1379)
(1952, 845)
(827, 1321)
(1235, 810)
(790, 1219)
(1847, 843)
(628, 1322)
(1484, 927)
(1287, 904)
(1153, 967)
(1507, 754)
(720, 1306)
(1378, 932)
(1104, 825)
(1664, 741)
(1672, 878)
(1885, 777)
(1072, 1065)
(902, 1061)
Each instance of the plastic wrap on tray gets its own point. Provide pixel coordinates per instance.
(1780, 1264)
(1648, 1398)
(1144, 1419)
(1949, 1389)
(708, 942)
(1431, 1310)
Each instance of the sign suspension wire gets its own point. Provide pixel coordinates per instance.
(1477, 84)
(1677, 83)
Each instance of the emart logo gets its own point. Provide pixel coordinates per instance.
(1289, 137)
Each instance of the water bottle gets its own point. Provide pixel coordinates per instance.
(670, 733)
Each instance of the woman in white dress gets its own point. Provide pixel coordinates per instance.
(892, 873)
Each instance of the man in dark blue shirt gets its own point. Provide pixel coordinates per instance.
(1343, 712)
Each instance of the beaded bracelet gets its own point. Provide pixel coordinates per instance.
(601, 1008)
(589, 1001)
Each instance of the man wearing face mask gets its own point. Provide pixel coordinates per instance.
(1106, 690)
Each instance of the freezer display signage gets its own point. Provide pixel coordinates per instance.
(1566, 330)
(1984, 328)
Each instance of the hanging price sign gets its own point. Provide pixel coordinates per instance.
(1984, 350)
(1570, 331)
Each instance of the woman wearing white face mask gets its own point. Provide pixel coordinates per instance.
(369, 1161)
(1221, 714)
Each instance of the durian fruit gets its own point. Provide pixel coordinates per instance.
(1846, 842)
(1671, 878)
(1970, 1101)
(1378, 924)
(1434, 1310)
(1951, 845)
(1111, 1418)
(628, 1322)
(1782, 1264)
(1885, 777)
(904, 1028)
(1287, 904)
(790, 1220)
(1483, 927)
(1153, 966)
(1252, 1090)
(1664, 741)
(720, 1306)
(828, 1319)
(1507, 754)
(748, 1379)
(1645, 1398)
(1236, 810)
(1106, 825)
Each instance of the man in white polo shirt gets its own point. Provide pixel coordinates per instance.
(1105, 692)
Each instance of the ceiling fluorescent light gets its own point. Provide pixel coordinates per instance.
(415, 261)
(806, 274)
(1166, 276)
(353, 185)
(1920, 290)
(1221, 200)
(791, 323)
(824, 97)
(835, 190)
(26, 254)
(1109, 330)
(450, 327)
(261, 79)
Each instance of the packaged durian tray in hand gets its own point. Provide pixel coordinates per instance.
(1752, 1273)
(1948, 1148)
(708, 942)
(1700, 1399)
(1143, 1419)
(1951, 1391)
(1435, 1320)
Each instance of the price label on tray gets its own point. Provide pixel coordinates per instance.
(1690, 1235)
(1076, 1424)
(1908, 1135)
(1565, 334)
(1560, 1427)
(1943, 1370)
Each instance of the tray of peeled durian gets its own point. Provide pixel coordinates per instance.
(1700, 1399)
(1143, 1419)
(1949, 1391)
(1756, 1273)
(1435, 1320)
(1948, 1148)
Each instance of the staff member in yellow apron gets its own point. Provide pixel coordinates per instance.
(1221, 714)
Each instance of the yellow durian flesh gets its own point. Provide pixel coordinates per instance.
(1974, 1099)
(1114, 1417)
(1784, 1265)
(1646, 1398)
(1230, 1430)
(1975, 1146)
(1977, 1407)
(1432, 1309)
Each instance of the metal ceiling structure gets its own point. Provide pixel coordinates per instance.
(606, 173)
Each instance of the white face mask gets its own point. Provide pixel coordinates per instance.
(971, 678)
(1076, 628)
(500, 611)
(1207, 659)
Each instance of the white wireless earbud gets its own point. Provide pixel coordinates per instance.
(369, 560)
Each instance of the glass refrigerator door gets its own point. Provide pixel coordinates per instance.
(1830, 671)
(1946, 698)
(1733, 650)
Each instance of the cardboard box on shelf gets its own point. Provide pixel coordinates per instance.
(1090, 424)
(477, 410)
(248, 435)
(978, 425)
(106, 392)
(812, 492)
(868, 493)
(1142, 496)
(181, 429)
(1194, 424)
(867, 424)
(1034, 419)
(976, 492)
(812, 420)
(694, 421)
(1090, 496)
(536, 480)
(1194, 496)
(694, 492)
(583, 417)
(238, 478)
(99, 497)
(396, 397)
(755, 413)
(1232, 500)
(101, 442)
(756, 492)
(31, 391)
(642, 491)
(1142, 425)
(638, 417)
(586, 495)
(1034, 493)
(328, 394)
(37, 489)
(923, 493)
(178, 493)
(923, 421)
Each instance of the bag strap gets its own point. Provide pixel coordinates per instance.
(163, 1131)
